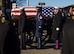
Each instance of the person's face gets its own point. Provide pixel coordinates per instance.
(0, 11)
(73, 11)
(56, 11)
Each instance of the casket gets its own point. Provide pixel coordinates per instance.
(30, 11)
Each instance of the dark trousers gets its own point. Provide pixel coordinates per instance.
(39, 43)
(23, 40)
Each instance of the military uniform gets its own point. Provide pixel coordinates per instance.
(38, 31)
(56, 29)
(68, 38)
(21, 27)
(9, 41)
(3, 31)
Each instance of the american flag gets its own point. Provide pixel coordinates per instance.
(29, 10)
(47, 11)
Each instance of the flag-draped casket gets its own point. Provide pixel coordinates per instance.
(30, 11)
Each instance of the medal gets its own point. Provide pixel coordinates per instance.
(3, 19)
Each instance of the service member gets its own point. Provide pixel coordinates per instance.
(21, 27)
(9, 41)
(68, 30)
(38, 32)
(56, 26)
(3, 30)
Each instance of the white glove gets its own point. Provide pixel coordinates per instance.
(40, 17)
(39, 26)
(57, 29)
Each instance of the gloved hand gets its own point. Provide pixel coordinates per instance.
(40, 17)
(57, 29)
(39, 26)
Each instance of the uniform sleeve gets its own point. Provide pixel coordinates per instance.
(57, 21)
(3, 15)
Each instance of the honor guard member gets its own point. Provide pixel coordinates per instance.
(9, 42)
(3, 30)
(68, 30)
(47, 13)
(44, 13)
(56, 27)
(38, 32)
(6, 46)
(21, 27)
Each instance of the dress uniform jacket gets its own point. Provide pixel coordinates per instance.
(21, 22)
(38, 26)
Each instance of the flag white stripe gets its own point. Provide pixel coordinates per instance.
(15, 13)
(27, 13)
(30, 9)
